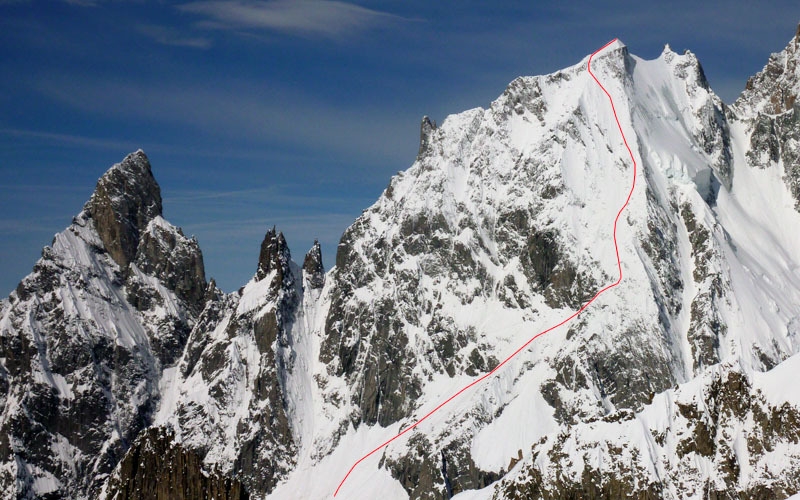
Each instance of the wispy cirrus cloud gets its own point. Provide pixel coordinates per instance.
(166, 35)
(281, 198)
(258, 114)
(326, 18)
(69, 139)
(48, 138)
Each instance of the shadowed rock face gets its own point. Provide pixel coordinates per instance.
(274, 256)
(442, 472)
(125, 200)
(313, 268)
(124, 209)
(165, 252)
(157, 468)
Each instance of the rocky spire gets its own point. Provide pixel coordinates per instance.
(426, 128)
(274, 255)
(313, 269)
(126, 199)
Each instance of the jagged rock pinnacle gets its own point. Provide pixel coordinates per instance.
(426, 128)
(313, 268)
(126, 199)
(274, 255)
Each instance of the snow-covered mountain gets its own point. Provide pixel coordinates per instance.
(124, 374)
(85, 337)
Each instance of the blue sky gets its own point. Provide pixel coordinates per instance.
(292, 113)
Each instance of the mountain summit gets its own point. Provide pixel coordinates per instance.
(125, 200)
(125, 375)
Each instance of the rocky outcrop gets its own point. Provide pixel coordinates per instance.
(446, 469)
(426, 129)
(125, 200)
(770, 107)
(775, 89)
(177, 260)
(775, 140)
(706, 329)
(125, 210)
(707, 424)
(158, 468)
(552, 272)
(274, 256)
(313, 270)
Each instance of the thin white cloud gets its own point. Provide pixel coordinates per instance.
(277, 194)
(69, 139)
(327, 18)
(170, 36)
(250, 113)
(126, 146)
(32, 225)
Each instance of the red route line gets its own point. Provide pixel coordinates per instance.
(609, 287)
